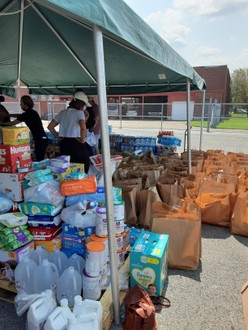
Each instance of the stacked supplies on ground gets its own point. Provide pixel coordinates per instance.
(79, 220)
(15, 163)
(42, 204)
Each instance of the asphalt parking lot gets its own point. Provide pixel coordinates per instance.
(208, 298)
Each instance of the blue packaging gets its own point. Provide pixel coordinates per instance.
(98, 197)
(149, 261)
(73, 238)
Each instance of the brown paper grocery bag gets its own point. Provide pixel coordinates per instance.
(156, 196)
(144, 201)
(183, 225)
(166, 191)
(215, 208)
(244, 292)
(129, 197)
(216, 187)
(130, 183)
(239, 218)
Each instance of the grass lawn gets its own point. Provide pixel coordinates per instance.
(235, 121)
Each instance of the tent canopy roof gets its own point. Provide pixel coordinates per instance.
(49, 46)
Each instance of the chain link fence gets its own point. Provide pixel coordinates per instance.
(213, 113)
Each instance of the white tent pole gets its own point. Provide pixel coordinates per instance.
(188, 126)
(20, 50)
(202, 117)
(101, 90)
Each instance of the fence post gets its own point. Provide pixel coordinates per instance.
(209, 114)
(120, 114)
(162, 115)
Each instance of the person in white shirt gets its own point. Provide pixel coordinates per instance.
(72, 130)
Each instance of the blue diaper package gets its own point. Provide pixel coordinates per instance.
(98, 197)
(5, 204)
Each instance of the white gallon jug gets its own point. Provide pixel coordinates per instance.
(66, 308)
(45, 277)
(88, 321)
(91, 306)
(69, 285)
(57, 320)
(77, 262)
(24, 273)
(38, 254)
(40, 310)
(60, 259)
(72, 323)
(78, 306)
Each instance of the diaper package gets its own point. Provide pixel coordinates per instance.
(47, 192)
(13, 219)
(34, 208)
(5, 204)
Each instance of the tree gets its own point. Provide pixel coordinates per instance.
(239, 87)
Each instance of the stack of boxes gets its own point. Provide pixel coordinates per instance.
(15, 162)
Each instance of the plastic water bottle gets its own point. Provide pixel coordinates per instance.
(40, 310)
(77, 262)
(78, 306)
(91, 306)
(60, 259)
(24, 273)
(69, 285)
(45, 277)
(57, 320)
(38, 255)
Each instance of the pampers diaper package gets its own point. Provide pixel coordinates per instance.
(149, 261)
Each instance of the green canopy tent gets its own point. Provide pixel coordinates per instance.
(101, 46)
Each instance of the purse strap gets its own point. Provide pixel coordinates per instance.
(161, 300)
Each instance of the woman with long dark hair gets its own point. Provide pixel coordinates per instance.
(33, 121)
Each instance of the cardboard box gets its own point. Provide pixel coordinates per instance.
(16, 255)
(244, 292)
(15, 135)
(50, 246)
(13, 157)
(149, 261)
(11, 185)
(73, 238)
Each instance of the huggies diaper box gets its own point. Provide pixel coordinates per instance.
(13, 157)
(149, 261)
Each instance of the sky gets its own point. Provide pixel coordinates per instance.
(203, 32)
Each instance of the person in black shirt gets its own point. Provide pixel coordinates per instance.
(4, 114)
(32, 119)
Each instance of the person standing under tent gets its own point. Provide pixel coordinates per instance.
(72, 130)
(96, 128)
(4, 114)
(33, 121)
